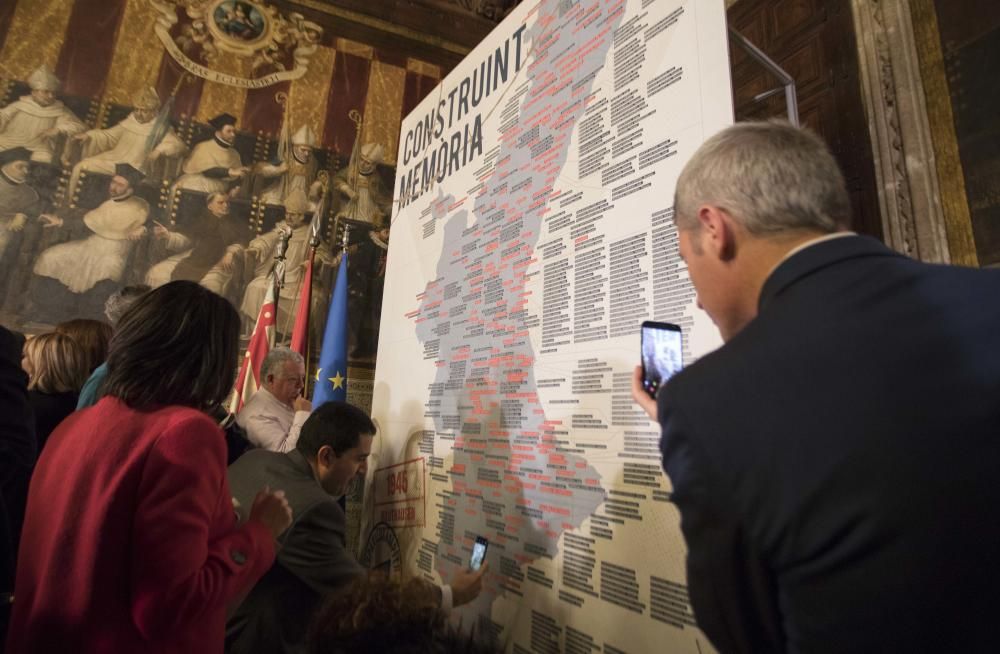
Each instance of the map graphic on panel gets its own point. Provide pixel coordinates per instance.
(532, 235)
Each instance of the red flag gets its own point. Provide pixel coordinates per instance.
(248, 380)
(300, 332)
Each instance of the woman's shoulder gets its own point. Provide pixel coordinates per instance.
(162, 418)
(184, 419)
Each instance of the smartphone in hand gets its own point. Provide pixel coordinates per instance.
(478, 553)
(662, 354)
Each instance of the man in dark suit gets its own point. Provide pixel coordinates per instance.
(17, 457)
(313, 559)
(835, 462)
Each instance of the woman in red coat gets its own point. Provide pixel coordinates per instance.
(130, 542)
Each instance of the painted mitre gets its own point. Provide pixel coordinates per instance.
(147, 98)
(297, 202)
(372, 152)
(43, 79)
(305, 136)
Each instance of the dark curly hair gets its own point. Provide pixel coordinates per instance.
(381, 615)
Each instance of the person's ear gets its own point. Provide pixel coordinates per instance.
(718, 233)
(326, 455)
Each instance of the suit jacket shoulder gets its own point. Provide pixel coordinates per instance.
(258, 468)
(313, 547)
(807, 452)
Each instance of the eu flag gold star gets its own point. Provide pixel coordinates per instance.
(337, 380)
(318, 370)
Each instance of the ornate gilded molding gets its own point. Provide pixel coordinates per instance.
(493, 10)
(909, 197)
(202, 34)
(954, 200)
(386, 26)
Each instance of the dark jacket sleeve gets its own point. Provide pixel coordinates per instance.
(17, 446)
(314, 549)
(17, 432)
(731, 589)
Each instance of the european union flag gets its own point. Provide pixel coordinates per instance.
(331, 377)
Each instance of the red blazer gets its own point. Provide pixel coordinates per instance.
(130, 541)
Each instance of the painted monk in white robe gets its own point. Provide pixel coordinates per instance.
(35, 121)
(127, 142)
(74, 279)
(214, 165)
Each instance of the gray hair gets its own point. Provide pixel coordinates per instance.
(121, 300)
(276, 359)
(770, 176)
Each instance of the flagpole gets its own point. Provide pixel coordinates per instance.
(285, 146)
(248, 380)
(278, 269)
(343, 253)
(300, 332)
(355, 162)
(332, 369)
(306, 296)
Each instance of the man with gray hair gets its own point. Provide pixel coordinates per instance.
(119, 301)
(834, 463)
(275, 414)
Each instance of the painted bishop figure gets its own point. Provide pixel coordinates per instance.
(366, 199)
(299, 174)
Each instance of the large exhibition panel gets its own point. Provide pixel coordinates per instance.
(532, 233)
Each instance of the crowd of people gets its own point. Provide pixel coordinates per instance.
(833, 462)
(126, 539)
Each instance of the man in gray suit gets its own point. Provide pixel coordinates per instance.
(313, 560)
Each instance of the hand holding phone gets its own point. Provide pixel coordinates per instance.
(478, 553)
(662, 354)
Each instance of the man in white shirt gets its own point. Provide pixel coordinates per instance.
(275, 414)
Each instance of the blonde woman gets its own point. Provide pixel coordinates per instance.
(57, 368)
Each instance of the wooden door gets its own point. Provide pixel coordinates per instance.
(814, 41)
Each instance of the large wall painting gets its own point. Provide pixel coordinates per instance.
(146, 140)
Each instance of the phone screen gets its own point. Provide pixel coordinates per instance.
(478, 553)
(662, 354)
